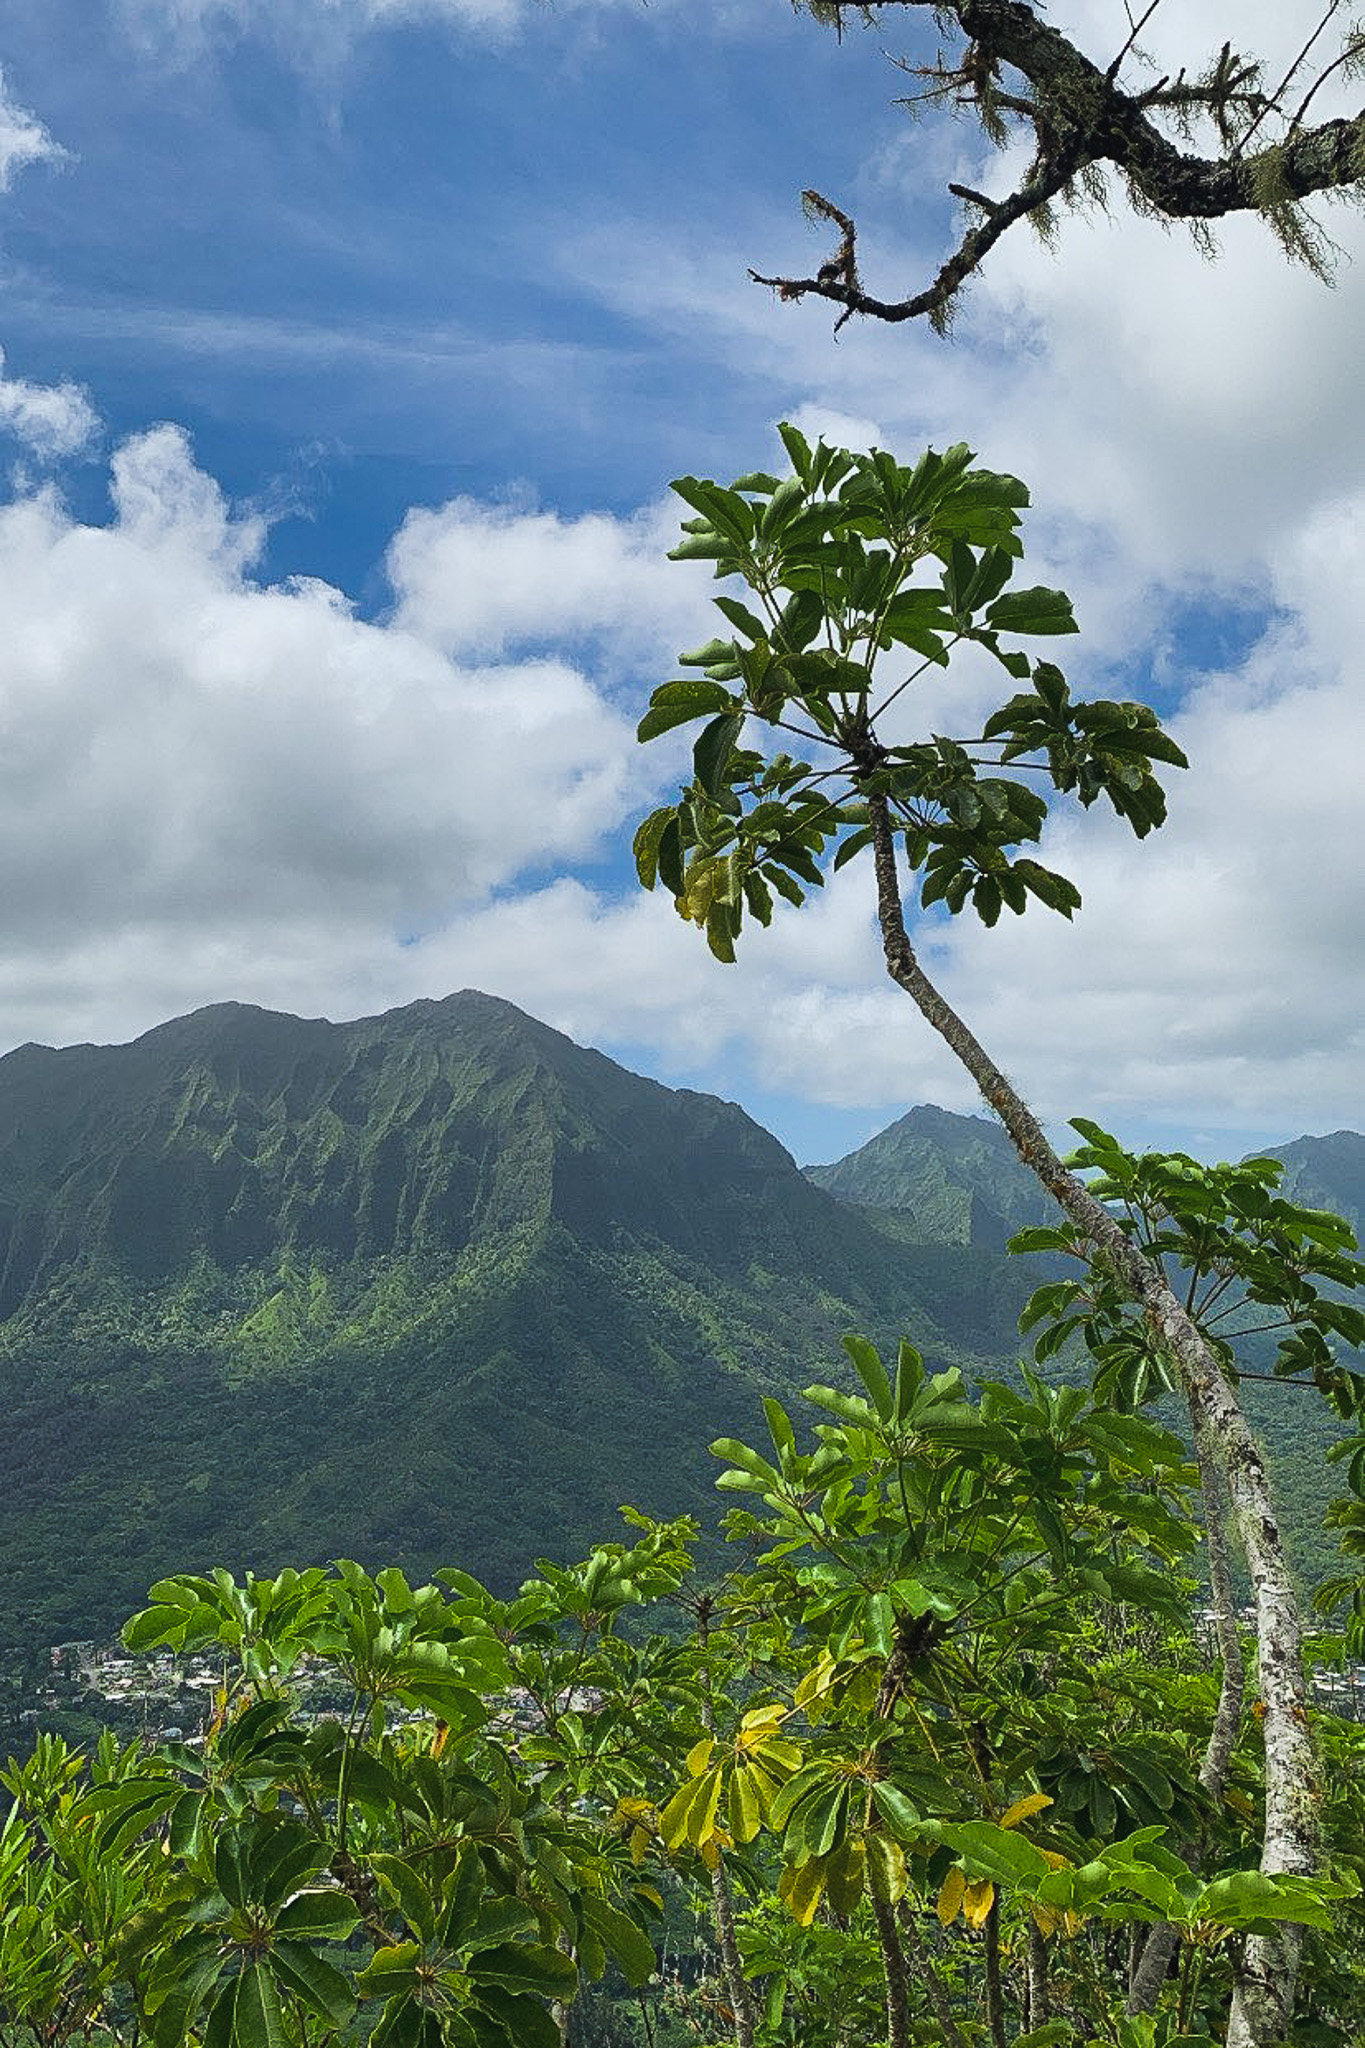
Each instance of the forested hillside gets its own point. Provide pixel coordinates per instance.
(443, 1286)
(439, 1286)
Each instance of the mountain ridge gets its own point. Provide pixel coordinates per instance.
(434, 1286)
(437, 1286)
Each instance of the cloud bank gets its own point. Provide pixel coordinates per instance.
(212, 785)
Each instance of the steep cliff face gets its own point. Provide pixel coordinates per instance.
(1327, 1173)
(437, 1286)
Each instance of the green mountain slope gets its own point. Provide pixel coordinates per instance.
(1327, 1173)
(438, 1286)
(935, 1179)
(952, 1179)
(441, 1286)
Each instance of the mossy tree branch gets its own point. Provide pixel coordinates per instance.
(1015, 71)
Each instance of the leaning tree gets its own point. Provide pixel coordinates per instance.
(835, 557)
(859, 576)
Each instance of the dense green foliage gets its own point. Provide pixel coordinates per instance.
(941, 1757)
(947, 1707)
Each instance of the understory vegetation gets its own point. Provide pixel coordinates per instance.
(928, 1761)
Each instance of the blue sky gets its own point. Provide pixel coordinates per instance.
(349, 347)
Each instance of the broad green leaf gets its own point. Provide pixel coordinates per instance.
(1038, 610)
(886, 1872)
(329, 1915)
(1248, 1896)
(390, 1970)
(306, 1975)
(258, 2021)
(677, 703)
(994, 1852)
(867, 1362)
(628, 1943)
(897, 1811)
(518, 1966)
(714, 746)
(524, 2021)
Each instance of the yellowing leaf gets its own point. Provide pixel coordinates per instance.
(639, 1845)
(1024, 1809)
(800, 1891)
(1048, 1920)
(759, 1722)
(950, 1896)
(674, 1820)
(764, 1789)
(701, 1814)
(699, 1756)
(812, 1694)
(977, 1901)
(886, 1875)
(745, 1816)
(778, 1755)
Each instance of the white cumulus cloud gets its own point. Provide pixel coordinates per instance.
(198, 767)
(479, 579)
(51, 420)
(23, 138)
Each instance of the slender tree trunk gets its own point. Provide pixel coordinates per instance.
(1154, 1963)
(1038, 2013)
(1265, 1996)
(1214, 1770)
(928, 1974)
(722, 1898)
(883, 1912)
(995, 1996)
(893, 1969)
(741, 1999)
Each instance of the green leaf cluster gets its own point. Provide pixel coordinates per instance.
(861, 575)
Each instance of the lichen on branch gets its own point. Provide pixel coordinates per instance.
(1088, 122)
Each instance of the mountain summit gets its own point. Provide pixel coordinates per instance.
(954, 1179)
(438, 1286)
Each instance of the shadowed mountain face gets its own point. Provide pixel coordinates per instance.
(433, 1287)
(436, 1287)
(238, 1135)
(953, 1179)
(1327, 1173)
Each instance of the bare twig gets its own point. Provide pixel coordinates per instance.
(1083, 120)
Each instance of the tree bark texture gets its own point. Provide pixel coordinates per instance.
(1154, 1963)
(1082, 118)
(1038, 2007)
(722, 1899)
(923, 1963)
(1265, 2000)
